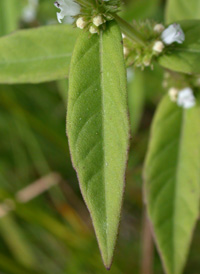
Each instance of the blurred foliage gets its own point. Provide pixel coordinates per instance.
(52, 233)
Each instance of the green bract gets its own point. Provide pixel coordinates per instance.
(98, 130)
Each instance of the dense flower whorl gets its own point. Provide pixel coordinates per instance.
(173, 33)
(68, 9)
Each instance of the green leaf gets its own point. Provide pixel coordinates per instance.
(36, 55)
(172, 181)
(182, 10)
(98, 130)
(184, 57)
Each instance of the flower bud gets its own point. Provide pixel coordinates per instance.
(173, 94)
(158, 46)
(93, 30)
(98, 20)
(126, 51)
(158, 28)
(80, 23)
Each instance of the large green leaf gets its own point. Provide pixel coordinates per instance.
(185, 57)
(36, 55)
(98, 130)
(182, 10)
(172, 178)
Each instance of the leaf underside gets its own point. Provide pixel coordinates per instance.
(172, 179)
(98, 129)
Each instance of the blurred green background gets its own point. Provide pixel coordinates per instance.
(44, 224)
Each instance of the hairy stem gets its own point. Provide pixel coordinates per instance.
(129, 30)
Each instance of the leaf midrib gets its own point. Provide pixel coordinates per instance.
(177, 180)
(36, 59)
(103, 118)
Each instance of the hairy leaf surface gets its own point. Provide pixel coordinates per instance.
(98, 130)
(172, 178)
(182, 10)
(36, 55)
(185, 57)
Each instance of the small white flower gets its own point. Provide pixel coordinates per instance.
(173, 33)
(98, 20)
(80, 23)
(173, 94)
(158, 46)
(186, 98)
(198, 82)
(164, 84)
(68, 9)
(158, 28)
(130, 74)
(93, 30)
(29, 13)
(126, 51)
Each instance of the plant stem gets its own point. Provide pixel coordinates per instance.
(147, 247)
(129, 30)
(86, 2)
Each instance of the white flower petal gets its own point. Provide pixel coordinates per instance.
(186, 98)
(68, 8)
(173, 33)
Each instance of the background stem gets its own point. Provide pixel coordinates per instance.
(147, 247)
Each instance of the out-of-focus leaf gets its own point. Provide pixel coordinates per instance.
(182, 10)
(10, 11)
(13, 235)
(98, 130)
(36, 55)
(172, 181)
(140, 9)
(8, 265)
(136, 97)
(185, 57)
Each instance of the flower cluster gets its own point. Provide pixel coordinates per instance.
(156, 36)
(173, 33)
(184, 97)
(85, 15)
(181, 87)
